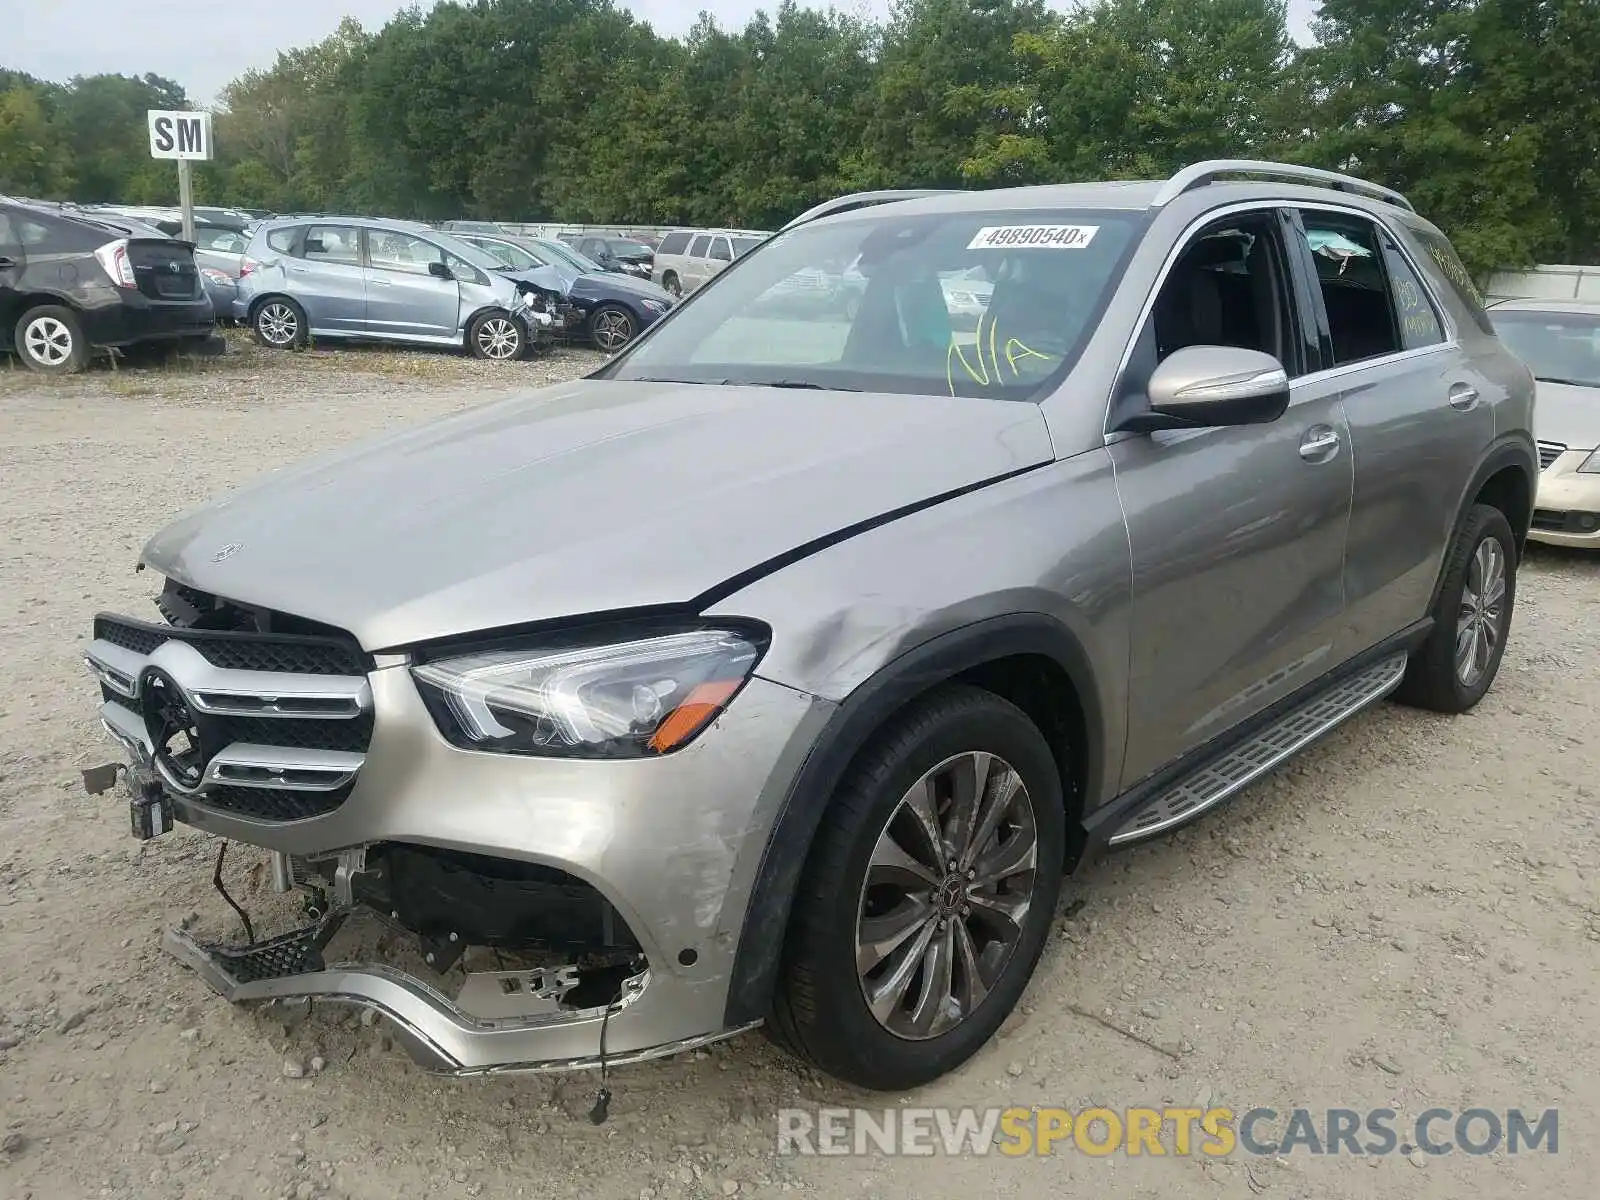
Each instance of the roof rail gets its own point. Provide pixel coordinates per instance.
(1202, 173)
(857, 200)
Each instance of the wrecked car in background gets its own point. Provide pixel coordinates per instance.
(599, 306)
(368, 279)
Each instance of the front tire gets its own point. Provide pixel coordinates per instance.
(928, 895)
(497, 337)
(612, 327)
(50, 340)
(279, 324)
(671, 283)
(1453, 669)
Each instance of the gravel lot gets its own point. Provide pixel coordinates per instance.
(1408, 917)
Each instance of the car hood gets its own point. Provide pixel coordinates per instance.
(610, 286)
(1567, 414)
(589, 497)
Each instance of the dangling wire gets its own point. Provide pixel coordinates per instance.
(216, 882)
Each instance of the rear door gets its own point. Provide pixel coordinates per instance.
(719, 256)
(1421, 416)
(12, 264)
(328, 279)
(404, 298)
(695, 266)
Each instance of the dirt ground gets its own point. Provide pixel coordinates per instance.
(1408, 917)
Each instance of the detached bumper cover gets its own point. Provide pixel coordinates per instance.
(437, 1034)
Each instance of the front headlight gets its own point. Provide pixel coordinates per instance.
(631, 699)
(1591, 465)
(655, 306)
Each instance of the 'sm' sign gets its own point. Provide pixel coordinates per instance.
(179, 134)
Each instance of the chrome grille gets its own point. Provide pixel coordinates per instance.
(1549, 452)
(274, 726)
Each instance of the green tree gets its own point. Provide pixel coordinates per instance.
(34, 159)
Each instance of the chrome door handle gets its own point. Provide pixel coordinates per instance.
(1320, 443)
(378, 282)
(1463, 396)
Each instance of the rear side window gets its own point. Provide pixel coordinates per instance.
(1419, 323)
(53, 236)
(282, 240)
(7, 236)
(1455, 273)
(332, 244)
(674, 243)
(1355, 288)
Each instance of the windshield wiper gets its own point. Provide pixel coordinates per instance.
(801, 384)
(1568, 382)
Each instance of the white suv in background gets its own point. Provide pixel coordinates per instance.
(687, 258)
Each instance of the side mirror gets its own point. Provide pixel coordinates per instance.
(439, 271)
(313, 246)
(1201, 386)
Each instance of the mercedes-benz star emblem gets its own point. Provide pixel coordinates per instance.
(174, 734)
(227, 551)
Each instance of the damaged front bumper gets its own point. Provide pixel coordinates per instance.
(616, 889)
(438, 1034)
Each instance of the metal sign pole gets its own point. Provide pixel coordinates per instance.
(186, 198)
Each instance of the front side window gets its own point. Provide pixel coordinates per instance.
(743, 245)
(698, 248)
(994, 304)
(1355, 288)
(1557, 347)
(720, 251)
(390, 251)
(332, 244)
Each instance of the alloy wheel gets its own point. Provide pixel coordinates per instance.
(499, 339)
(48, 341)
(1480, 625)
(613, 329)
(946, 895)
(278, 324)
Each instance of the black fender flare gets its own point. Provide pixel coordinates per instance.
(1508, 450)
(759, 952)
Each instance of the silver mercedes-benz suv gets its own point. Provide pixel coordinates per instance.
(778, 672)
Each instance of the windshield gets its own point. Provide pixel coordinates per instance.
(1558, 347)
(624, 248)
(509, 254)
(567, 254)
(994, 304)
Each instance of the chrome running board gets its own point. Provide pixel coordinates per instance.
(1214, 782)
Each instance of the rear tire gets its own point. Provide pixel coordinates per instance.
(50, 340)
(279, 324)
(1451, 671)
(864, 923)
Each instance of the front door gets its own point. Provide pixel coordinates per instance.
(327, 279)
(1237, 533)
(405, 299)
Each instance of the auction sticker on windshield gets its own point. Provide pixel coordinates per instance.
(1033, 237)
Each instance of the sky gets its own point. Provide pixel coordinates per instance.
(205, 43)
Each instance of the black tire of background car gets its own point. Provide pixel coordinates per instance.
(609, 311)
(819, 1012)
(480, 351)
(301, 333)
(1431, 680)
(77, 349)
(671, 283)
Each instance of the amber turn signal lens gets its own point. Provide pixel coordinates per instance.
(698, 709)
